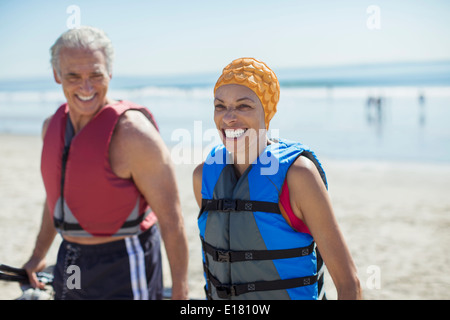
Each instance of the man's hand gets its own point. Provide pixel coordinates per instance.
(31, 267)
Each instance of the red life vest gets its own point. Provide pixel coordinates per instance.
(84, 195)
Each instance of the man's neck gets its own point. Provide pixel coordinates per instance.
(79, 121)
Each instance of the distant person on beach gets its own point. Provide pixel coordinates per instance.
(110, 186)
(421, 109)
(375, 109)
(265, 212)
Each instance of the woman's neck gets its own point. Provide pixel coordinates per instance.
(242, 160)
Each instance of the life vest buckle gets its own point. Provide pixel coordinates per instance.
(228, 204)
(226, 291)
(222, 256)
(59, 223)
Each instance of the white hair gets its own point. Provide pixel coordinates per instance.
(84, 37)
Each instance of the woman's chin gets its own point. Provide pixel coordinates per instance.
(243, 150)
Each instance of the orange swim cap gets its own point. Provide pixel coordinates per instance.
(258, 77)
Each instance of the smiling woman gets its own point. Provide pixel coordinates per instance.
(262, 227)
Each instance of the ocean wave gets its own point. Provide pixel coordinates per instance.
(163, 92)
(364, 92)
(202, 93)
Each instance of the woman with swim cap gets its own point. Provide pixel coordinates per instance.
(266, 220)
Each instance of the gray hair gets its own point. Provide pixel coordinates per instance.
(84, 37)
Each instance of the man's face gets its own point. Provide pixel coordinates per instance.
(84, 79)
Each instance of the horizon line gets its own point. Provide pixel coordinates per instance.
(280, 70)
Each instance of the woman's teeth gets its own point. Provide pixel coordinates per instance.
(85, 98)
(234, 133)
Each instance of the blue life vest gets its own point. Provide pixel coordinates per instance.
(249, 250)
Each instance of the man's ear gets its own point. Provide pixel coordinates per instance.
(56, 76)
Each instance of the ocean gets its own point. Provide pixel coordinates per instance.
(357, 113)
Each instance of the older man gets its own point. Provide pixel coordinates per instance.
(110, 186)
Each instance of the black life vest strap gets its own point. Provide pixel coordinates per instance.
(238, 205)
(226, 291)
(221, 255)
(66, 226)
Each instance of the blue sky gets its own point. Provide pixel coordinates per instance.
(171, 37)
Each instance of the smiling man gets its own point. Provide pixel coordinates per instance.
(110, 185)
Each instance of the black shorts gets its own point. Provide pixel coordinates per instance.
(125, 269)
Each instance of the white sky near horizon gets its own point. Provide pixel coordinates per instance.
(183, 37)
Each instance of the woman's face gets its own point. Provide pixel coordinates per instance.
(239, 118)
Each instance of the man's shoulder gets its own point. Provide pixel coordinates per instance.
(133, 111)
(135, 137)
(45, 126)
(135, 124)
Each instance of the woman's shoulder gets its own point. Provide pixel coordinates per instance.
(197, 183)
(302, 166)
(197, 174)
(302, 174)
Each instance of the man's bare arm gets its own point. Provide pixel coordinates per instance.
(149, 165)
(44, 240)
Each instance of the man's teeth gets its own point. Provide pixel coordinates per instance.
(234, 133)
(87, 98)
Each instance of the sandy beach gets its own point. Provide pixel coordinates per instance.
(394, 216)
